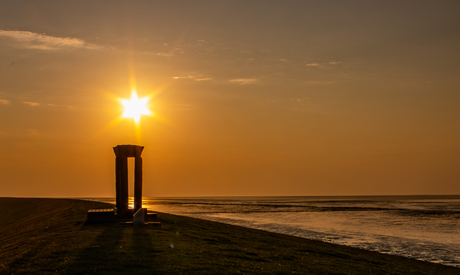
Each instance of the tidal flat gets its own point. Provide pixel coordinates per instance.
(42, 236)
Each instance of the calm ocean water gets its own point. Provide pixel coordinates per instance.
(420, 227)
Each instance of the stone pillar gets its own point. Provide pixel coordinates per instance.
(117, 179)
(118, 168)
(137, 184)
(124, 195)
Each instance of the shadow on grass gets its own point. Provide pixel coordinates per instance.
(103, 255)
(121, 250)
(144, 252)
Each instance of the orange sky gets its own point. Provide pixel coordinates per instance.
(250, 97)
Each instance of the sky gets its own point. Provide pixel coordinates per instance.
(248, 98)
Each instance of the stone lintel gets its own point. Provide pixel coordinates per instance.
(128, 151)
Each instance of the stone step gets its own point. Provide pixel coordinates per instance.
(101, 216)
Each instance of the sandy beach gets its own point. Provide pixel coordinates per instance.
(50, 236)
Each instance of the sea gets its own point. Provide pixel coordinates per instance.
(425, 228)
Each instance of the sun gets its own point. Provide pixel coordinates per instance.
(135, 107)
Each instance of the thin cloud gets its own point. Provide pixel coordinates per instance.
(32, 40)
(314, 64)
(33, 104)
(316, 82)
(335, 62)
(4, 102)
(243, 81)
(193, 77)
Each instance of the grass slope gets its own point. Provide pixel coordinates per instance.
(49, 236)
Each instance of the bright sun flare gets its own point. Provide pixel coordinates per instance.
(135, 107)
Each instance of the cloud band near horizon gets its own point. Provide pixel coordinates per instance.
(33, 40)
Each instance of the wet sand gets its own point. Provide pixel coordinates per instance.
(50, 236)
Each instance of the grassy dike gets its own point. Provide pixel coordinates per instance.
(49, 236)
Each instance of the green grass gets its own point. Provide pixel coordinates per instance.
(49, 236)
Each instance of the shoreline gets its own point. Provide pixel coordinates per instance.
(49, 235)
(407, 226)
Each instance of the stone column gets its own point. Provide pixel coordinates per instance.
(124, 196)
(117, 178)
(137, 183)
(121, 183)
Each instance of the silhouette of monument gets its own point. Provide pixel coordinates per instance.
(122, 210)
(122, 153)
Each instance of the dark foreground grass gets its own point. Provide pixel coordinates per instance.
(49, 236)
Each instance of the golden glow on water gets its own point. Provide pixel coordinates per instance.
(131, 202)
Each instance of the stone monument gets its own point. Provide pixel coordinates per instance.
(122, 210)
(122, 153)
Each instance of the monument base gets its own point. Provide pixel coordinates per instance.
(101, 216)
(128, 218)
(127, 214)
